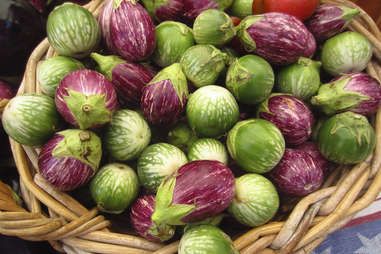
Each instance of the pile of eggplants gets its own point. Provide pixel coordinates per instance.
(156, 104)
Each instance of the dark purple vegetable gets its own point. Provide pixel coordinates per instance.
(128, 29)
(70, 158)
(21, 29)
(40, 5)
(297, 174)
(277, 37)
(329, 20)
(129, 79)
(357, 92)
(140, 216)
(312, 149)
(167, 10)
(86, 99)
(291, 115)
(164, 98)
(192, 8)
(6, 93)
(196, 191)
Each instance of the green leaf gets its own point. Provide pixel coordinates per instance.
(88, 110)
(173, 214)
(164, 193)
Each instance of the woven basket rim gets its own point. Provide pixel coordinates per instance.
(72, 228)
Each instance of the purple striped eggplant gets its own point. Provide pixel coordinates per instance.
(140, 216)
(312, 149)
(165, 9)
(291, 115)
(329, 20)
(357, 92)
(128, 29)
(196, 191)
(70, 158)
(297, 174)
(86, 99)
(279, 38)
(164, 98)
(128, 78)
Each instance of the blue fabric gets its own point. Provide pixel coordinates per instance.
(360, 239)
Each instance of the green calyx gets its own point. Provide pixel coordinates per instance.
(107, 63)
(333, 97)
(348, 14)
(304, 61)
(88, 110)
(166, 212)
(264, 106)
(232, 135)
(213, 27)
(246, 40)
(158, 3)
(163, 231)
(177, 78)
(80, 144)
(181, 136)
(356, 124)
(237, 77)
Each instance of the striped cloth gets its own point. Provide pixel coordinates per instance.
(362, 235)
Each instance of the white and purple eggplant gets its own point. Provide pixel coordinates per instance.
(70, 158)
(357, 92)
(329, 20)
(86, 99)
(164, 98)
(297, 174)
(128, 29)
(345, 53)
(6, 93)
(140, 216)
(196, 191)
(312, 149)
(291, 115)
(279, 38)
(128, 78)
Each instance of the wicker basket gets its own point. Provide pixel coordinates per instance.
(56, 217)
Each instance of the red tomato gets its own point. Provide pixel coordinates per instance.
(258, 7)
(235, 20)
(301, 9)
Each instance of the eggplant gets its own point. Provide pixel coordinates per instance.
(256, 200)
(279, 38)
(206, 239)
(213, 27)
(345, 53)
(164, 10)
(157, 162)
(208, 149)
(212, 111)
(329, 20)
(127, 135)
(181, 136)
(165, 96)
(31, 119)
(357, 92)
(196, 191)
(72, 30)
(297, 174)
(256, 145)
(250, 78)
(127, 29)
(291, 115)
(128, 78)
(346, 138)
(140, 216)
(193, 8)
(114, 187)
(70, 158)
(6, 93)
(86, 99)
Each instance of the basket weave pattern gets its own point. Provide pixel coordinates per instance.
(72, 228)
